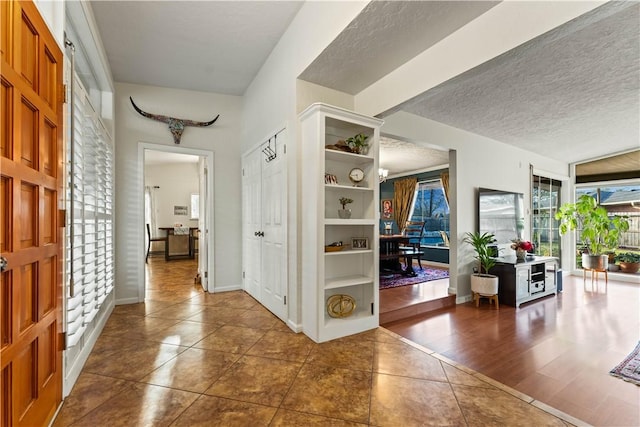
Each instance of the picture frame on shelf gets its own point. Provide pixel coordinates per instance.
(330, 179)
(359, 243)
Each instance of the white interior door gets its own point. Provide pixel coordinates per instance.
(252, 222)
(264, 219)
(274, 222)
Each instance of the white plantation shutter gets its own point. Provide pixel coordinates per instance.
(90, 274)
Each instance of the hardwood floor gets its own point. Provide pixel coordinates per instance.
(558, 350)
(407, 301)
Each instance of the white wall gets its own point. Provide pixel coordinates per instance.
(222, 138)
(176, 182)
(479, 162)
(271, 102)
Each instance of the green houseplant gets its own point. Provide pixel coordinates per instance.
(599, 231)
(358, 143)
(482, 283)
(629, 262)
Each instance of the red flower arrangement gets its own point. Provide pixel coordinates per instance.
(525, 245)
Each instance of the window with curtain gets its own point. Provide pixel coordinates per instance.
(430, 205)
(546, 201)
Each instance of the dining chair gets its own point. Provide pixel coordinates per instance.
(414, 230)
(152, 239)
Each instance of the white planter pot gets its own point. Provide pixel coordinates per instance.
(484, 284)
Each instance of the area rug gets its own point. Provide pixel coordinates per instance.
(425, 275)
(629, 369)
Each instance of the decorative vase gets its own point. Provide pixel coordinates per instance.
(344, 213)
(521, 254)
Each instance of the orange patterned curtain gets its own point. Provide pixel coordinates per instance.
(444, 177)
(403, 192)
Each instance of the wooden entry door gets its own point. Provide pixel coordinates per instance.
(30, 234)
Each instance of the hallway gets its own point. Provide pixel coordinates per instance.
(186, 358)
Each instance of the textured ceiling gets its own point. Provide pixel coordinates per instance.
(571, 94)
(400, 157)
(385, 35)
(212, 46)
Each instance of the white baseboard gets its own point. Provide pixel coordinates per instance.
(295, 327)
(463, 299)
(227, 288)
(125, 301)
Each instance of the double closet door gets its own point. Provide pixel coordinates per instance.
(264, 222)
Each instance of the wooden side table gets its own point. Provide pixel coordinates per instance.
(595, 272)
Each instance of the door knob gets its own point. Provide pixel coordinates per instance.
(3, 263)
(261, 233)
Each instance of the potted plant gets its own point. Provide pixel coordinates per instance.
(358, 143)
(483, 283)
(599, 231)
(629, 262)
(345, 213)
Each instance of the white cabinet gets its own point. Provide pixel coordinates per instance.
(352, 271)
(524, 281)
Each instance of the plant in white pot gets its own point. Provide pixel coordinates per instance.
(599, 231)
(344, 213)
(483, 283)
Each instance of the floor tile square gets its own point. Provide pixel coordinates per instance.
(216, 411)
(331, 392)
(405, 360)
(341, 353)
(192, 370)
(283, 345)
(403, 401)
(231, 339)
(256, 380)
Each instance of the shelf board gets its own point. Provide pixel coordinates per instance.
(346, 187)
(350, 252)
(338, 221)
(343, 156)
(343, 282)
(360, 314)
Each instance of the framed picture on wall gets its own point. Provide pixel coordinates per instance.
(181, 210)
(387, 208)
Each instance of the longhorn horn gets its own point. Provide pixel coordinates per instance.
(200, 124)
(176, 126)
(158, 117)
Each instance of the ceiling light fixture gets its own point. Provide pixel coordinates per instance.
(383, 173)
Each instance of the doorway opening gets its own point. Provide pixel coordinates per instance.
(177, 213)
(427, 217)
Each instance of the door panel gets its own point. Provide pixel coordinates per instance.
(274, 280)
(251, 223)
(30, 234)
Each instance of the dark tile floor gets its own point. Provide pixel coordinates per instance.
(186, 358)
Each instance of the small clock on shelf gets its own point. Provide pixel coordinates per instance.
(356, 175)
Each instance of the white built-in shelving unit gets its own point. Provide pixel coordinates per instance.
(351, 271)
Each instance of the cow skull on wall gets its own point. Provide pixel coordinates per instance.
(176, 126)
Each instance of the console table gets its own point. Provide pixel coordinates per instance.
(526, 280)
(178, 246)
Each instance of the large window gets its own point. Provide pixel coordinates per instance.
(619, 199)
(430, 205)
(546, 200)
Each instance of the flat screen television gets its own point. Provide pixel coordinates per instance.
(501, 213)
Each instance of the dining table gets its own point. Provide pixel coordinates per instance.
(179, 246)
(391, 252)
